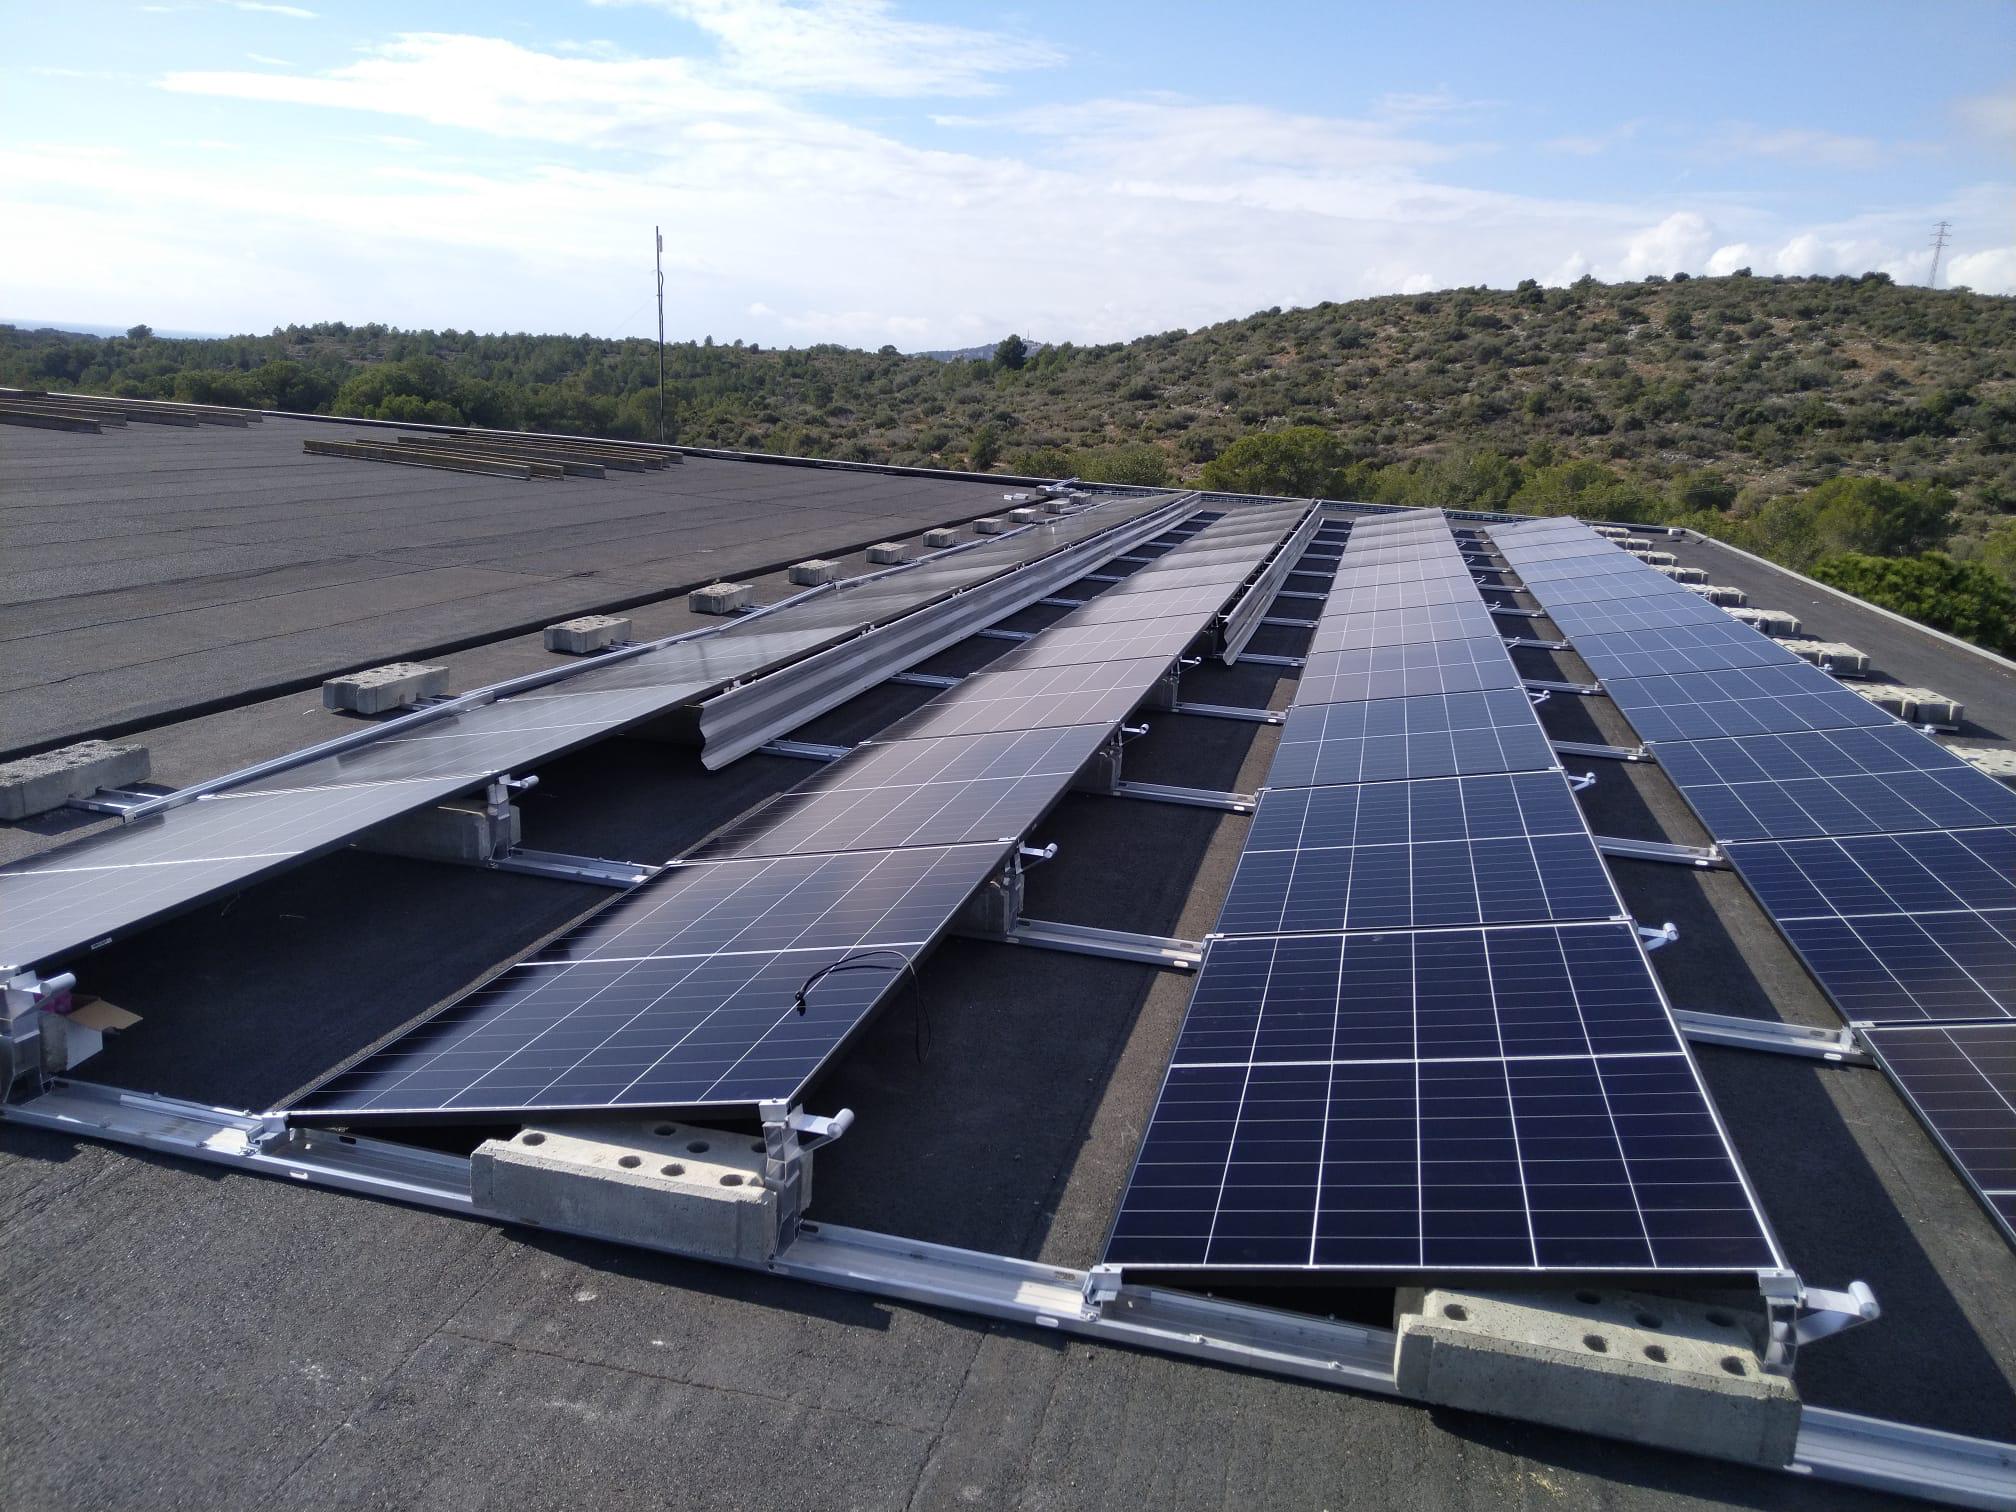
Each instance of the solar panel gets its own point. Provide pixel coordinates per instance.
(1364, 598)
(1683, 608)
(1960, 1079)
(1833, 782)
(1703, 647)
(936, 790)
(1405, 855)
(1872, 874)
(1494, 1100)
(1438, 666)
(1358, 629)
(682, 996)
(1442, 735)
(1888, 968)
(1072, 644)
(1081, 693)
(1739, 701)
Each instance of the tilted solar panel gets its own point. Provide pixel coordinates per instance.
(1406, 670)
(1495, 1100)
(1740, 701)
(1407, 855)
(1442, 735)
(1961, 1080)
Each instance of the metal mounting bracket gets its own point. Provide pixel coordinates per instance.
(803, 750)
(936, 680)
(1580, 690)
(1602, 752)
(1580, 784)
(788, 1134)
(1113, 944)
(1800, 1314)
(1511, 613)
(1702, 857)
(1103, 577)
(1157, 792)
(1018, 636)
(1056, 601)
(1264, 660)
(1528, 643)
(1287, 624)
(572, 868)
(1835, 1046)
(1231, 711)
(109, 800)
(1297, 593)
(1658, 939)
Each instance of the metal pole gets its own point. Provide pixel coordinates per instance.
(658, 262)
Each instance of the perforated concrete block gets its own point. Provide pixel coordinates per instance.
(591, 632)
(813, 573)
(37, 784)
(644, 1181)
(885, 552)
(1024, 516)
(377, 689)
(938, 540)
(1651, 1370)
(721, 598)
(1838, 657)
(1996, 761)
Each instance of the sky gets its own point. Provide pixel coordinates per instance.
(933, 174)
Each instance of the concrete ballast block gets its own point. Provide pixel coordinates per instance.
(378, 689)
(591, 632)
(886, 552)
(813, 573)
(1838, 657)
(1933, 708)
(1650, 1370)
(1891, 697)
(939, 539)
(989, 525)
(1996, 761)
(1724, 595)
(1024, 516)
(37, 784)
(652, 1182)
(721, 598)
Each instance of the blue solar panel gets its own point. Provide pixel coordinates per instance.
(1740, 701)
(1704, 647)
(1961, 1080)
(1443, 735)
(1497, 1100)
(1401, 855)
(1405, 671)
(1837, 782)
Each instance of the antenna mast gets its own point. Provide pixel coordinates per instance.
(658, 262)
(1938, 251)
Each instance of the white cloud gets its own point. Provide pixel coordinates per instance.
(1992, 116)
(854, 47)
(294, 11)
(1679, 243)
(1098, 220)
(268, 60)
(1990, 272)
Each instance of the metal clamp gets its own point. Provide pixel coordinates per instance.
(1657, 939)
(789, 1134)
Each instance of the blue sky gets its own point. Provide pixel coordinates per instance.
(936, 174)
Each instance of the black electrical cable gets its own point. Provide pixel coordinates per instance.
(862, 960)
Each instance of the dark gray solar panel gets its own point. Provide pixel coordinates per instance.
(1443, 735)
(1888, 968)
(1876, 874)
(1416, 855)
(1740, 701)
(1408, 670)
(681, 996)
(1961, 1080)
(1889, 778)
(935, 790)
(1081, 693)
(1497, 1100)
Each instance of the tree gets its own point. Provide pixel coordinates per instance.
(1958, 597)
(1011, 353)
(984, 450)
(1137, 462)
(1304, 461)
(139, 333)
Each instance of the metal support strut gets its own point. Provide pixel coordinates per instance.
(788, 1135)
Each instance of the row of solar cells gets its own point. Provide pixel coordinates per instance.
(735, 976)
(1887, 862)
(1425, 1035)
(81, 894)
